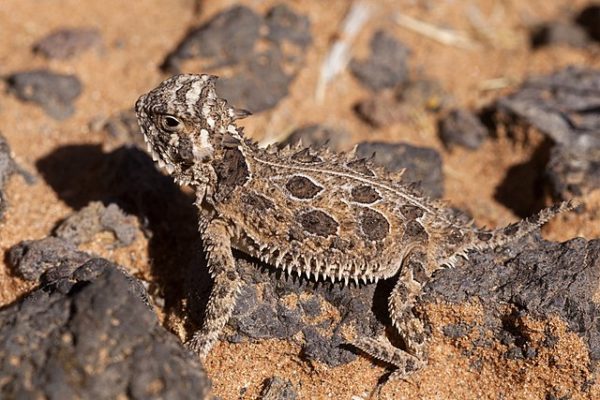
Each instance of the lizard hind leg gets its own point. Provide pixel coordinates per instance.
(226, 286)
(409, 326)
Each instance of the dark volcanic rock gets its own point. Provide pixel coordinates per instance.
(7, 168)
(273, 316)
(7, 164)
(329, 349)
(462, 128)
(535, 278)
(386, 67)
(90, 335)
(262, 85)
(278, 389)
(54, 92)
(573, 172)
(423, 165)
(66, 43)
(226, 39)
(32, 258)
(285, 25)
(265, 53)
(122, 127)
(316, 135)
(81, 226)
(564, 106)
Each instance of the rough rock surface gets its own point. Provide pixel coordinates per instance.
(89, 334)
(574, 172)
(462, 128)
(69, 42)
(122, 128)
(95, 218)
(264, 52)
(563, 106)
(7, 168)
(278, 389)
(275, 305)
(423, 165)
(52, 91)
(386, 67)
(534, 278)
(32, 258)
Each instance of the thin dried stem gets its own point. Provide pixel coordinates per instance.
(445, 36)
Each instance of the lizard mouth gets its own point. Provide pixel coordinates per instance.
(156, 157)
(167, 165)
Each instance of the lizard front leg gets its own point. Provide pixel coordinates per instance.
(226, 286)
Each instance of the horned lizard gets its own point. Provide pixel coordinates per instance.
(306, 211)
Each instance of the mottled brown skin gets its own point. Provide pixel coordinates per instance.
(325, 215)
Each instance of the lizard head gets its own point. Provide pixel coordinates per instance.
(185, 124)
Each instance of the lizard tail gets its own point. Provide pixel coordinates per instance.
(490, 239)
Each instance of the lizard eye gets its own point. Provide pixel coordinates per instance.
(170, 123)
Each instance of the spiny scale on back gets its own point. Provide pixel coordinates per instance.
(308, 211)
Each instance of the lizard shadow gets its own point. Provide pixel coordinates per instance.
(522, 189)
(128, 177)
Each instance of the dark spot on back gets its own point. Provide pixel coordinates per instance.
(455, 237)
(374, 225)
(365, 194)
(296, 234)
(415, 231)
(361, 167)
(232, 276)
(302, 187)
(256, 202)
(232, 171)
(317, 223)
(511, 229)
(484, 236)
(305, 156)
(411, 212)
